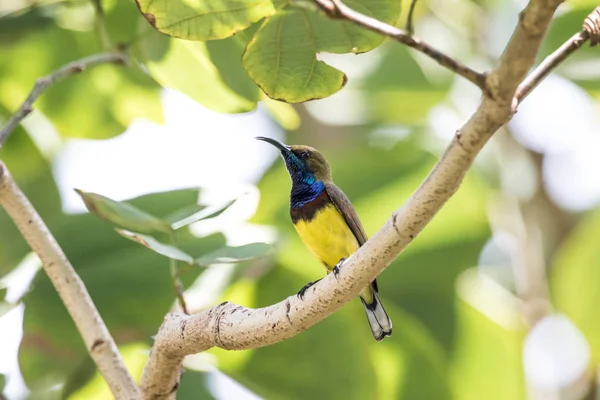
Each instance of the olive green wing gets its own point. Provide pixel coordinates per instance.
(343, 205)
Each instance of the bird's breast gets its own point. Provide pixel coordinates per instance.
(326, 233)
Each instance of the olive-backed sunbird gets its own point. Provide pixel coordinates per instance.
(327, 223)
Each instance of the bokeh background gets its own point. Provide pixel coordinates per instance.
(496, 299)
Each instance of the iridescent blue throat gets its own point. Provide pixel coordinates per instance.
(305, 190)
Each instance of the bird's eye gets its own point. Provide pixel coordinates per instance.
(304, 155)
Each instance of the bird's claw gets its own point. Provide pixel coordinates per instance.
(305, 288)
(336, 269)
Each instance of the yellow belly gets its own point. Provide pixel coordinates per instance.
(328, 236)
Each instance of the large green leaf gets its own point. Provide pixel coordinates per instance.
(203, 19)
(282, 56)
(574, 278)
(211, 73)
(122, 214)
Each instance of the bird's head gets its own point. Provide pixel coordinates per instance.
(303, 162)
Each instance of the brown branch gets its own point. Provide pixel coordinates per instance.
(70, 288)
(229, 326)
(42, 83)
(337, 10)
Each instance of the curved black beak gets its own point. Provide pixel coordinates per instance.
(282, 147)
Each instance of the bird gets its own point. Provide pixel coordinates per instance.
(327, 223)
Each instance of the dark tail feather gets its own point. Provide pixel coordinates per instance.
(379, 321)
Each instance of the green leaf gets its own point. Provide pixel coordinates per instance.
(161, 248)
(122, 214)
(235, 254)
(191, 68)
(194, 214)
(282, 56)
(226, 55)
(203, 19)
(2, 383)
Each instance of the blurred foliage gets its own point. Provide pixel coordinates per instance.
(445, 345)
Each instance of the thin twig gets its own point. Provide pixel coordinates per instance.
(177, 284)
(590, 32)
(65, 71)
(409, 18)
(337, 10)
(548, 65)
(70, 288)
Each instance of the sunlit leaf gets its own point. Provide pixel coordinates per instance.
(203, 19)
(235, 254)
(166, 250)
(223, 90)
(122, 214)
(282, 56)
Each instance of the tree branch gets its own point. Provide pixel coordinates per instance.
(70, 288)
(230, 326)
(335, 9)
(42, 83)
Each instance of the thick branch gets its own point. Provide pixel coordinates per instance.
(69, 286)
(42, 83)
(337, 10)
(230, 326)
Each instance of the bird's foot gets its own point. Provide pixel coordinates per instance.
(305, 288)
(336, 269)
